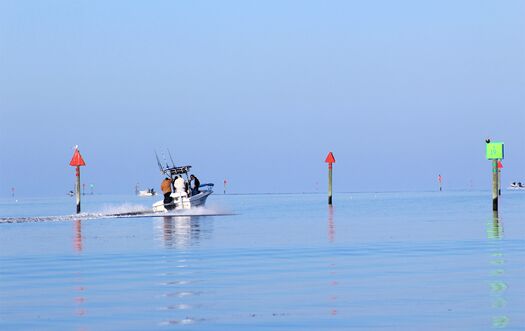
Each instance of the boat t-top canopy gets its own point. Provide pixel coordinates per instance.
(173, 170)
(177, 170)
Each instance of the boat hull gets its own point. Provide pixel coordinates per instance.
(146, 194)
(182, 202)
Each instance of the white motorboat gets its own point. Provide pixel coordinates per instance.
(147, 193)
(516, 187)
(181, 199)
(183, 202)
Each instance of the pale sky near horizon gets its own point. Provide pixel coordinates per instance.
(258, 92)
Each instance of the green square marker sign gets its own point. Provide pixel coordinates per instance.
(495, 151)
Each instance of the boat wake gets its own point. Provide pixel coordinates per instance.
(122, 211)
(197, 211)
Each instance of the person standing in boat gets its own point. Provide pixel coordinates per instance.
(165, 186)
(195, 186)
(180, 186)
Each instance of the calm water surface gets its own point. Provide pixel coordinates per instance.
(385, 261)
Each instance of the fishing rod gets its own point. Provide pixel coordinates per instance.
(162, 171)
(172, 163)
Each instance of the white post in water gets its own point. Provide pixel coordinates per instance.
(495, 153)
(495, 185)
(500, 165)
(330, 159)
(77, 161)
(77, 189)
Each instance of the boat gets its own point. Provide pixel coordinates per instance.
(147, 193)
(182, 200)
(516, 187)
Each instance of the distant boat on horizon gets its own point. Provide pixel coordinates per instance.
(516, 186)
(147, 193)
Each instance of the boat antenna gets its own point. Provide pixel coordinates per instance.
(164, 159)
(158, 163)
(172, 163)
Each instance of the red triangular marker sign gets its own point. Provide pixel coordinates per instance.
(330, 158)
(500, 165)
(77, 160)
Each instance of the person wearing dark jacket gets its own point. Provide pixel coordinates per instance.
(195, 185)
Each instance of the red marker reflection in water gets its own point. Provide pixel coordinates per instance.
(78, 236)
(331, 224)
(79, 298)
(331, 238)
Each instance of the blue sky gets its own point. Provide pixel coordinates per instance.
(259, 92)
